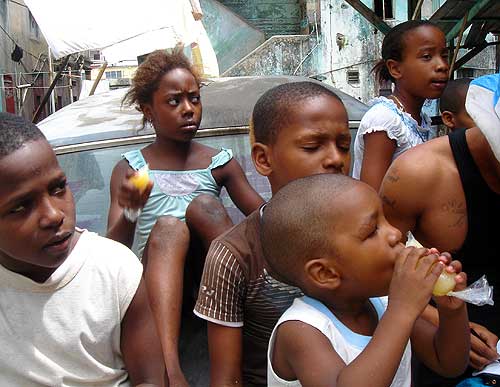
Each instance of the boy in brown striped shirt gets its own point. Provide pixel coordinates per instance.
(299, 129)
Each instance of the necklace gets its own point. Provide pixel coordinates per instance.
(400, 105)
(397, 100)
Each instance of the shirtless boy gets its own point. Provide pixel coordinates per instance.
(447, 193)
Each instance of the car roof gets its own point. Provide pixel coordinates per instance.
(227, 103)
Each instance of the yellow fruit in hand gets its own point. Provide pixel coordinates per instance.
(446, 281)
(140, 179)
(412, 242)
(444, 284)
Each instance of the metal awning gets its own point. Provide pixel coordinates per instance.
(482, 16)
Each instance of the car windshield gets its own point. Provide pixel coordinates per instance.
(89, 175)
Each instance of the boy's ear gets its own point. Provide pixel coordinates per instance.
(448, 119)
(323, 273)
(261, 156)
(393, 68)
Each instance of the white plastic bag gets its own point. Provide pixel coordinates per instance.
(478, 293)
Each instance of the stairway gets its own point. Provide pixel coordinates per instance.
(242, 48)
(279, 55)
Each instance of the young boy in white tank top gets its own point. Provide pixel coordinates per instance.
(346, 258)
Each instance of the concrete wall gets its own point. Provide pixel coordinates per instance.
(16, 21)
(232, 37)
(280, 55)
(3, 51)
(351, 44)
(346, 43)
(273, 17)
(482, 64)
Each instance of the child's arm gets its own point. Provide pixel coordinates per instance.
(124, 195)
(221, 302)
(226, 355)
(139, 342)
(445, 348)
(311, 359)
(231, 176)
(483, 346)
(377, 157)
(483, 349)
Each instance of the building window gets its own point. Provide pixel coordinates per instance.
(353, 77)
(465, 72)
(114, 74)
(384, 9)
(34, 30)
(96, 55)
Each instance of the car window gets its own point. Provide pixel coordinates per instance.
(89, 174)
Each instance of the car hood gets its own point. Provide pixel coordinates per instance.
(227, 103)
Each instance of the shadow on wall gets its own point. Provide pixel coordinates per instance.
(231, 36)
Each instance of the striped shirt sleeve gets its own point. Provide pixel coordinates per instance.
(222, 285)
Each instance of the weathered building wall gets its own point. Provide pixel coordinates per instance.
(232, 37)
(482, 64)
(280, 55)
(341, 50)
(15, 19)
(273, 17)
(3, 51)
(351, 47)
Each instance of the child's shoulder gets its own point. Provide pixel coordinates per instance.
(308, 311)
(207, 155)
(382, 109)
(202, 150)
(384, 116)
(107, 254)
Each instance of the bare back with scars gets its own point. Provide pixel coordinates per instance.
(422, 192)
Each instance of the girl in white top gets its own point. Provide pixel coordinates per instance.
(415, 59)
(345, 257)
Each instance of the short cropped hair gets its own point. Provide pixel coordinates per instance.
(453, 97)
(271, 111)
(16, 131)
(298, 222)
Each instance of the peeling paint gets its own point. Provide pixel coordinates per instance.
(280, 55)
(347, 43)
(278, 17)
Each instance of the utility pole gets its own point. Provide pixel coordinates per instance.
(51, 78)
(99, 76)
(51, 87)
(70, 85)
